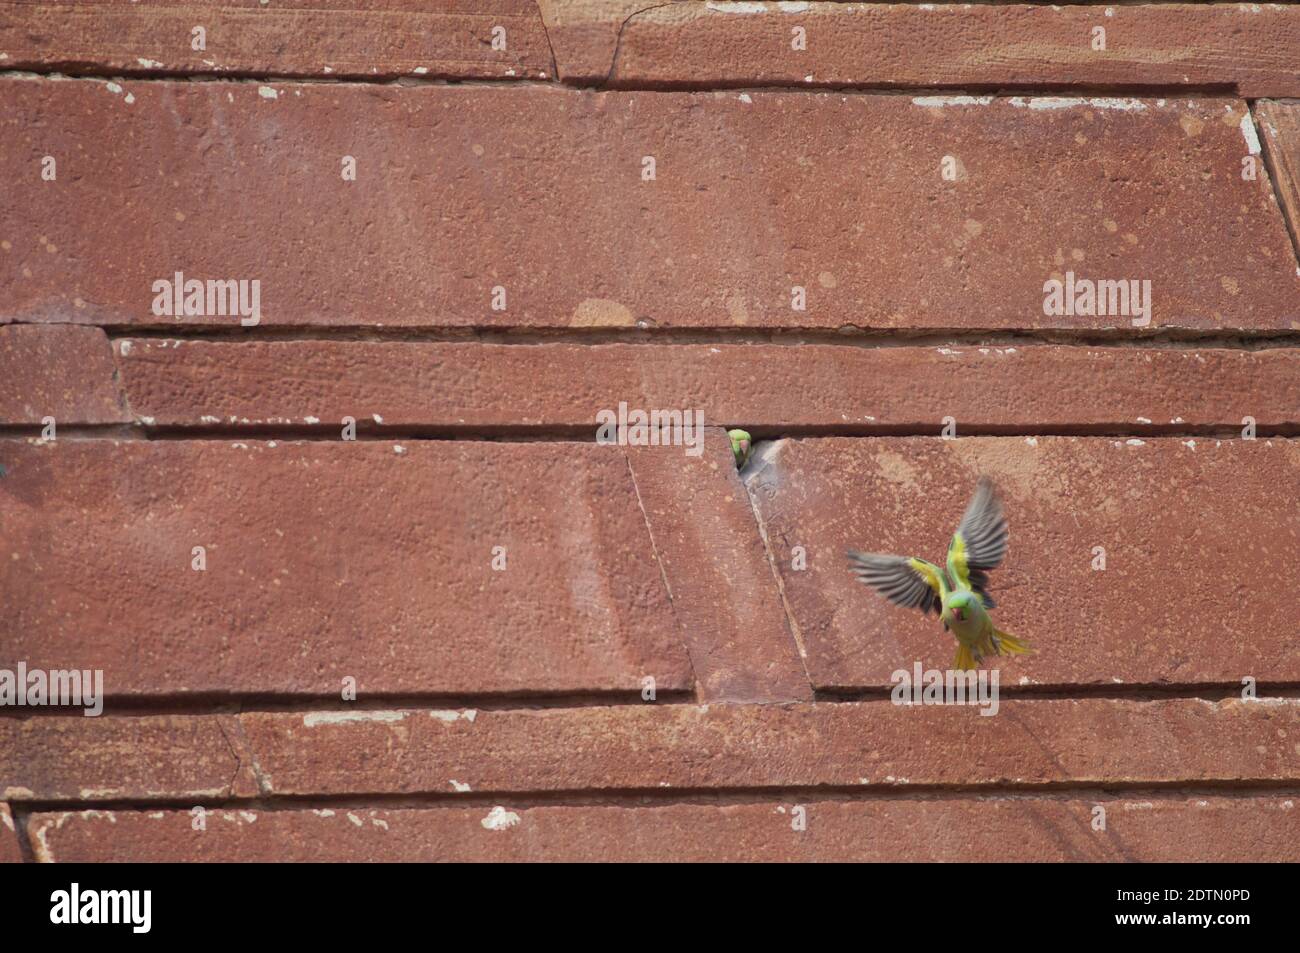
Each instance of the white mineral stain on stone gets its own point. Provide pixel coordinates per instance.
(737, 7)
(41, 847)
(147, 63)
(458, 785)
(1248, 132)
(341, 717)
(449, 715)
(90, 794)
(1068, 102)
(499, 819)
(355, 820)
(745, 98)
(266, 92)
(380, 823)
(941, 101)
(1135, 442)
(323, 812)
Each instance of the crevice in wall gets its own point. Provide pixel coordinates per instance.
(1275, 174)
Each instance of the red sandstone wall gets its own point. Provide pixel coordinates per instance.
(842, 248)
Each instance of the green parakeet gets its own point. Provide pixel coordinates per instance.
(740, 444)
(960, 597)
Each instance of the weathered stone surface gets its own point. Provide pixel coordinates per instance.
(723, 588)
(193, 383)
(644, 747)
(105, 759)
(326, 561)
(321, 38)
(975, 829)
(467, 193)
(1251, 48)
(62, 372)
(585, 34)
(1193, 532)
(10, 852)
(1281, 125)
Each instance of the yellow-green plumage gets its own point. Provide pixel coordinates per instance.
(960, 595)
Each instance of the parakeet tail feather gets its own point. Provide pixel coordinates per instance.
(965, 660)
(1007, 644)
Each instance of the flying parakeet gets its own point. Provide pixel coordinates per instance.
(961, 596)
(740, 444)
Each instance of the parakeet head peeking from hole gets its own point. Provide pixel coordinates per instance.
(740, 445)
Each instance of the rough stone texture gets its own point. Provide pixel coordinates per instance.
(1281, 125)
(330, 559)
(63, 372)
(538, 190)
(723, 589)
(585, 35)
(1251, 48)
(193, 383)
(10, 852)
(47, 757)
(331, 39)
(649, 747)
(1192, 529)
(976, 829)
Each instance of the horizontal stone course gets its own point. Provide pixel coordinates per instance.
(534, 207)
(969, 829)
(196, 383)
(324, 39)
(648, 747)
(1249, 48)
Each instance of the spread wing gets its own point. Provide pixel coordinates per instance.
(979, 543)
(910, 582)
